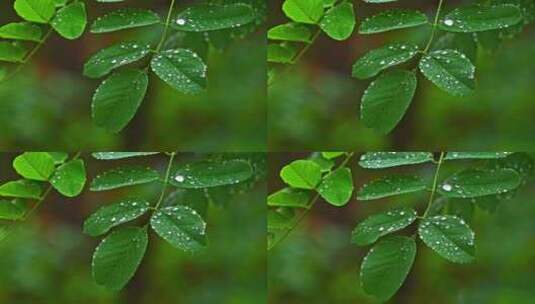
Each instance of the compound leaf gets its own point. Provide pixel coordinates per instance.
(303, 174)
(124, 176)
(21, 31)
(182, 69)
(181, 226)
(480, 182)
(386, 99)
(289, 197)
(105, 60)
(34, 165)
(119, 155)
(375, 226)
(336, 187)
(22, 188)
(124, 18)
(476, 155)
(339, 21)
(12, 52)
(207, 174)
(449, 70)
(386, 266)
(12, 210)
(115, 214)
(211, 17)
(390, 186)
(69, 178)
(476, 18)
(382, 58)
(304, 11)
(70, 21)
(392, 19)
(449, 236)
(379, 160)
(39, 11)
(117, 99)
(118, 256)
(290, 32)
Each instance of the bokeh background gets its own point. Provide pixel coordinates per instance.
(317, 263)
(47, 259)
(315, 106)
(47, 105)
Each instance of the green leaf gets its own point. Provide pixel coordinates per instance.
(332, 155)
(196, 199)
(479, 182)
(70, 21)
(118, 256)
(124, 176)
(391, 20)
(449, 236)
(325, 164)
(59, 157)
(124, 18)
(105, 60)
(13, 210)
(390, 186)
(378, 225)
(21, 188)
(34, 165)
(181, 226)
(304, 174)
(464, 43)
(281, 53)
(336, 187)
(304, 11)
(382, 58)
(386, 266)
(339, 21)
(211, 17)
(69, 178)
(12, 52)
(21, 31)
(120, 155)
(289, 197)
(117, 99)
(386, 99)
(182, 69)
(290, 32)
(114, 215)
(379, 160)
(475, 18)
(39, 11)
(449, 70)
(206, 174)
(476, 155)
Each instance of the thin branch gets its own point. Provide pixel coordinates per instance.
(435, 24)
(166, 27)
(435, 182)
(166, 180)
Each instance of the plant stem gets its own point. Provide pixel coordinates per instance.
(166, 180)
(435, 182)
(166, 27)
(312, 203)
(29, 55)
(301, 53)
(435, 24)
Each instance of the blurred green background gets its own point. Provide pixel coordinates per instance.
(47, 104)
(317, 263)
(47, 259)
(315, 105)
